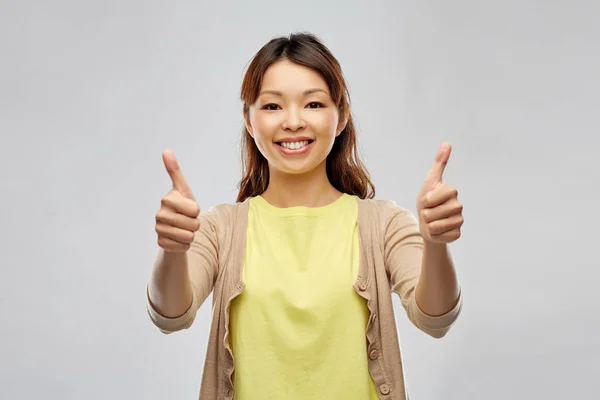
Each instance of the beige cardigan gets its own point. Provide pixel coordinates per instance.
(391, 248)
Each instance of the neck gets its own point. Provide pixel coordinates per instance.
(311, 189)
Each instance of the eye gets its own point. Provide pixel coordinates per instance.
(270, 107)
(315, 104)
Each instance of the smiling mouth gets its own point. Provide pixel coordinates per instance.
(295, 145)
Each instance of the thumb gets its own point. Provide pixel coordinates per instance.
(439, 165)
(179, 182)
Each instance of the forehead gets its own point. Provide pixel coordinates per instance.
(285, 76)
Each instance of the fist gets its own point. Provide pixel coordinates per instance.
(177, 220)
(440, 212)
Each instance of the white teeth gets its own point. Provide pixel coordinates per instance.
(294, 145)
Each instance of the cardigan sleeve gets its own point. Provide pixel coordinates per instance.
(403, 253)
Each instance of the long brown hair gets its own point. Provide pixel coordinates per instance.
(345, 170)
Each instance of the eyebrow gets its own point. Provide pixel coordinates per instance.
(306, 92)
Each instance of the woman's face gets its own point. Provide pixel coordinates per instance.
(294, 121)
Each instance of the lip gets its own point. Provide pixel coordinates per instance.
(295, 139)
(290, 152)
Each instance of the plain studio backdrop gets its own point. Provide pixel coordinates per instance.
(92, 92)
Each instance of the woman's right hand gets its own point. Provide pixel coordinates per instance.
(177, 220)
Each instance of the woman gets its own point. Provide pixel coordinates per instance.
(303, 265)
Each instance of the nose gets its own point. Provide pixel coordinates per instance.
(293, 120)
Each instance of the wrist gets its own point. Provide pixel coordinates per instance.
(430, 244)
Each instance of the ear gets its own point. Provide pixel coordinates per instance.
(342, 122)
(246, 112)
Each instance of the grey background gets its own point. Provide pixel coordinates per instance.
(92, 92)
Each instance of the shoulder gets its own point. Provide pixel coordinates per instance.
(224, 214)
(387, 221)
(383, 208)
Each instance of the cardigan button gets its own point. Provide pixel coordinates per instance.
(385, 389)
(362, 286)
(373, 355)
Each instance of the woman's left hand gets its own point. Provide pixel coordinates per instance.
(440, 212)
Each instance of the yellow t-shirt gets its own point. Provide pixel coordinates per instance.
(298, 328)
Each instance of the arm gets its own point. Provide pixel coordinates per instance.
(437, 290)
(170, 288)
(412, 267)
(181, 282)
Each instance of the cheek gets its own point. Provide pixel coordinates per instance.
(263, 131)
(328, 122)
(263, 127)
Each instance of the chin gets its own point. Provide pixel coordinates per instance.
(298, 169)
(294, 171)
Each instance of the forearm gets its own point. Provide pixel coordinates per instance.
(437, 290)
(170, 288)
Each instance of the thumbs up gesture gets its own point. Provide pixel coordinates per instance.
(440, 212)
(177, 220)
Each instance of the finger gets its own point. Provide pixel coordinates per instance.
(179, 182)
(445, 210)
(175, 234)
(441, 226)
(176, 202)
(169, 217)
(439, 165)
(438, 196)
(447, 237)
(171, 245)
